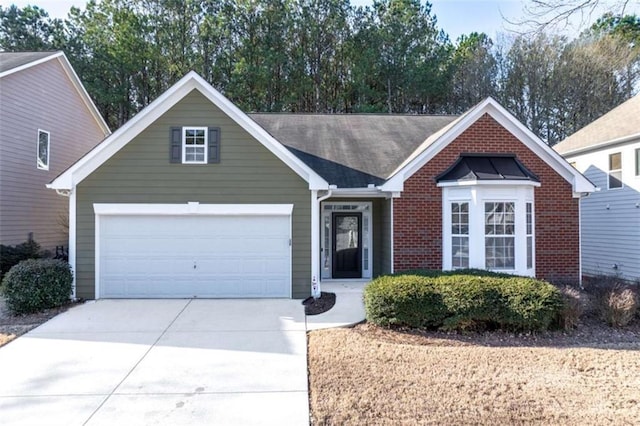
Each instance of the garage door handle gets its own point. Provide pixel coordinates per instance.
(194, 265)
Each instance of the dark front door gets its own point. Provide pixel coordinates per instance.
(347, 245)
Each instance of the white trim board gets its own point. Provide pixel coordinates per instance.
(194, 208)
(75, 81)
(192, 81)
(437, 142)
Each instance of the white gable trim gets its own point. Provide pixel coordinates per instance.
(75, 80)
(504, 118)
(121, 137)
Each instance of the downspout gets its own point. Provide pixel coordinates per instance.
(315, 241)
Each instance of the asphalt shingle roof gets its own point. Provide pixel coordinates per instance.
(620, 122)
(11, 60)
(352, 150)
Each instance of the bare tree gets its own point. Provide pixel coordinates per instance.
(541, 15)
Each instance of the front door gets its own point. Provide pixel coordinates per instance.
(347, 245)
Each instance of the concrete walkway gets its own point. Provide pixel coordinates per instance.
(168, 362)
(349, 307)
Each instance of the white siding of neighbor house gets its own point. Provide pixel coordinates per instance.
(41, 97)
(610, 218)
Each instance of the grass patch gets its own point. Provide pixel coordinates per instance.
(370, 375)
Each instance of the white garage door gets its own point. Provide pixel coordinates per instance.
(194, 256)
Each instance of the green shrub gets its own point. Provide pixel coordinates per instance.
(12, 255)
(461, 300)
(36, 284)
(404, 300)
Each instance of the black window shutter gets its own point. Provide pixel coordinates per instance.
(214, 145)
(175, 145)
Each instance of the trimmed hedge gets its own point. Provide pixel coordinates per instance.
(461, 300)
(36, 284)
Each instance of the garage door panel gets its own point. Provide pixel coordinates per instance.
(194, 256)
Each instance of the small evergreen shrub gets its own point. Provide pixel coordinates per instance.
(618, 305)
(461, 300)
(36, 284)
(12, 255)
(404, 300)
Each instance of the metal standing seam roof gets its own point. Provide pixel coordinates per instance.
(470, 167)
(11, 60)
(622, 121)
(352, 150)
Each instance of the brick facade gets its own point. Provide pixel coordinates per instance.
(417, 223)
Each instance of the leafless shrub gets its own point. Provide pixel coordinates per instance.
(618, 305)
(573, 307)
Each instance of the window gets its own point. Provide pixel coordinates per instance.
(638, 162)
(529, 235)
(43, 150)
(460, 235)
(194, 145)
(615, 170)
(499, 229)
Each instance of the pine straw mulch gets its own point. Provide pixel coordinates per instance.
(12, 326)
(370, 375)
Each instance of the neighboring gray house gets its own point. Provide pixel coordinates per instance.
(47, 122)
(607, 151)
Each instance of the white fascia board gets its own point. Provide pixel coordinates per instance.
(77, 83)
(358, 192)
(489, 183)
(193, 208)
(95, 158)
(315, 181)
(509, 122)
(31, 64)
(601, 145)
(396, 182)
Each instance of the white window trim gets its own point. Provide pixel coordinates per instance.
(636, 162)
(459, 235)
(45, 166)
(476, 196)
(184, 144)
(613, 171)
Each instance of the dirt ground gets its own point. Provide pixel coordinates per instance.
(13, 326)
(369, 375)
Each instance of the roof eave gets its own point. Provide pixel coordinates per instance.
(600, 145)
(116, 141)
(505, 119)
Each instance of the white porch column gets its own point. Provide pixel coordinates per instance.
(315, 244)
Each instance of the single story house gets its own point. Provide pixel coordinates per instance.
(607, 152)
(195, 198)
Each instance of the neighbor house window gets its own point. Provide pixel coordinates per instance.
(43, 150)
(615, 170)
(460, 235)
(529, 226)
(194, 145)
(499, 230)
(638, 162)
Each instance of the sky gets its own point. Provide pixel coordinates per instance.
(456, 17)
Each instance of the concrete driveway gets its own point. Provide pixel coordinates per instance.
(175, 362)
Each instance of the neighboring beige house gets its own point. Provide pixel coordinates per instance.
(607, 152)
(47, 122)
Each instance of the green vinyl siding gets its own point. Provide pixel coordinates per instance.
(248, 173)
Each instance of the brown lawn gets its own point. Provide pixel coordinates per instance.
(367, 375)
